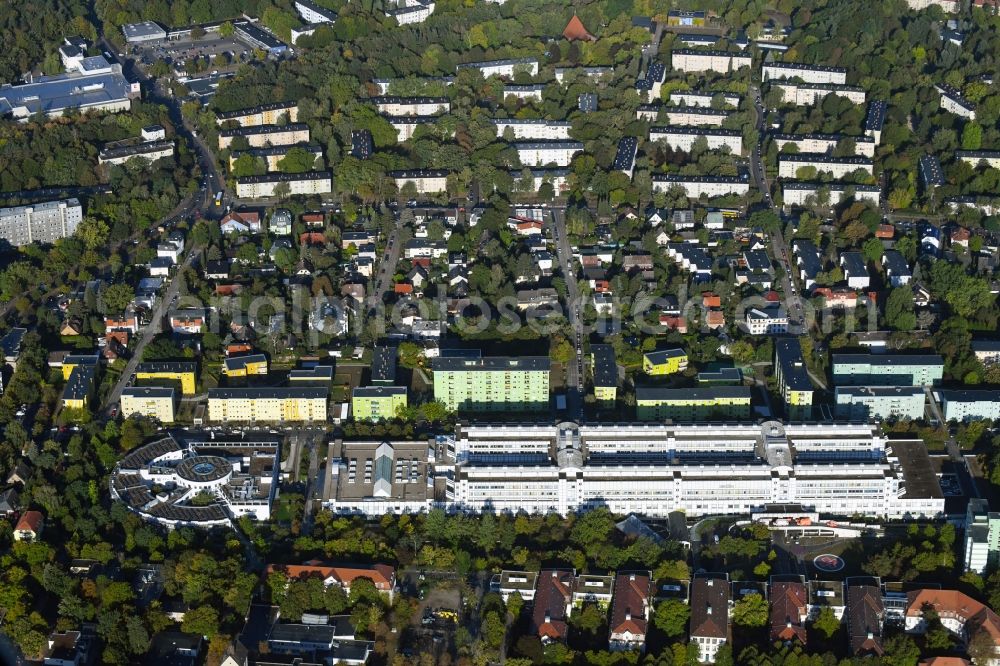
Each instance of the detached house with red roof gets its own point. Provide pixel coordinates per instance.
(630, 611)
(381, 575)
(710, 600)
(29, 527)
(960, 614)
(789, 608)
(553, 605)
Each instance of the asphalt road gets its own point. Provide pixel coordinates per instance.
(574, 371)
(148, 333)
(386, 269)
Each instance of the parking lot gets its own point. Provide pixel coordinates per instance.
(210, 53)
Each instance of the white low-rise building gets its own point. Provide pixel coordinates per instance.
(808, 94)
(541, 153)
(506, 68)
(766, 321)
(527, 92)
(824, 143)
(269, 185)
(838, 167)
(411, 106)
(427, 181)
(689, 98)
(147, 151)
(831, 194)
(979, 158)
(723, 62)
(544, 130)
(559, 178)
(807, 73)
(411, 11)
(684, 138)
(405, 126)
(950, 6)
(592, 73)
(694, 116)
(953, 102)
(697, 187)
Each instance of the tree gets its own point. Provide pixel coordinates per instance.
(900, 650)
(872, 249)
(297, 160)
(972, 136)
(899, 309)
(93, 232)
(117, 297)
(671, 617)
(750, 611)
(202, 621)
(767, 220)
(826, 623)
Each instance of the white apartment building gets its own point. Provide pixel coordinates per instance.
(40, 223)
(978, 158)
(824, 143)
(411, 11)
(311, 182)
(651, 469)
(264, 114)
(683, 138)
(806, 94)
(950, 6)
(766, 321)
(524, 93)
(593, 73)
(838, 167)
(970, 405)
(148, 151)
(246, 405)
(405, 126)
(802, 193)
(681, 98)
(723, 62)
(503, 67)
(694, 116)
(538, 130)
(698, 187)
(427, 181)
(807, 73)
(411, 106)
(259, 136)
(862, 403)
(953, 102)
(312, 13)
(272, 155)
(542, 153)
(558, 177)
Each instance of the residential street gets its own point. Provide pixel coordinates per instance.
(574, 371)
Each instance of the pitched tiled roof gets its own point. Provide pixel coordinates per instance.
(788, 611)
(554, 593)
(628, 605)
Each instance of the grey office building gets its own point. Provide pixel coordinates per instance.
(40, 223)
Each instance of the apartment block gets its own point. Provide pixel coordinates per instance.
(264, 114)
(411, 106)
(405, 126)
(377, 403)
(986, 351)
(426, 181)
(492, 384)
(824, 143)
(152, 402)
(803, 193)
(681, 116)
(838, 167)
(411, 11)
(690, 98)
(503, 68)
(539, 130)
(684, 138)
(982, 536)
(952, 101)
(245, 366)
(244, 405)
(970, 405)
(806, 73)
(81, 387)
(272, 155)
(665, 362)
(880, 403)
(887, 369)
(979, 158)
(722, 62)
(558, 177)
(310, 182)
(809, 94)
(689, 405)
(40, 223)
(793, 379)
(605, 371)
(150, 151)
(184, 373)
(531, 92)
(259, 136)
(697, 187)
(541, 153)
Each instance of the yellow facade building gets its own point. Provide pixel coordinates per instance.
(716, 403)
(243, 405)
(153, 402)
(243, 366)
(73, 361)
(665, 362)
(183, 372)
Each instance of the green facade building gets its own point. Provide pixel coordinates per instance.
(377, 403)
(493, 384)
